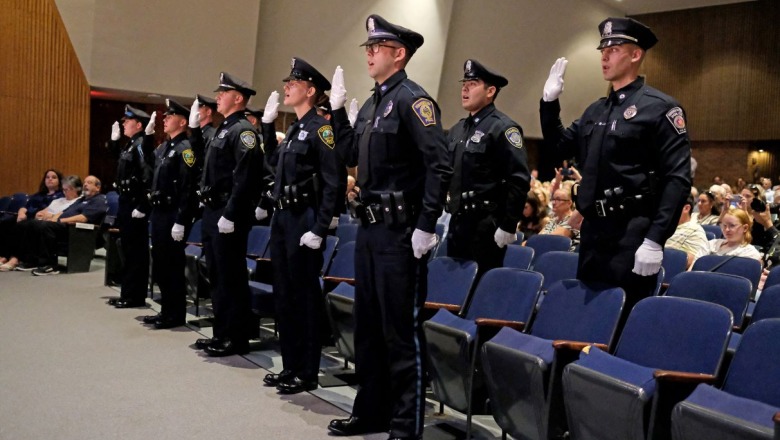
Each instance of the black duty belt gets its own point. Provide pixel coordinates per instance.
(213, 199)
(392, 209)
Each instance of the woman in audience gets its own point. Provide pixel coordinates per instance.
(561, 213)
(753, 202)
(709, 212)
(534, 216)
(735, 224)
(49, 189)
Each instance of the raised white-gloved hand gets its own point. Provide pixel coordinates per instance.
(260, 213)
(338, 94)
(554, 85)
(225, 226)
(115, 131)
(194, 121)
(137, 214)
(353, 112)
(177, 232)
(271, 110)
(334, 223)
(504, 238)
(422, 242)
(150, 126)
(311, 240)
(648, 258)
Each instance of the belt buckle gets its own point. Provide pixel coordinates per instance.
(370, 215)
(601, 209)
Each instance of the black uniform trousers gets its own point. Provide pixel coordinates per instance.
(168, 261)
(134, 236)
(299, 298)
(390, 290)
(471, 237)
(226, 260)
(607, 248)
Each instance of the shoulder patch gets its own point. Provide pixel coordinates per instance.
(326, 136)
(248, 138)
(423, 108)
(188, 157)
(676, 117)
(514, 137)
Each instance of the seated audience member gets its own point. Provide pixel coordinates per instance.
(736, 224)
(740, 185)
(534, 216)
(562, 210)
(71, 187)
(752, 201)
(689, 235)
(709, 211)
(43, 235)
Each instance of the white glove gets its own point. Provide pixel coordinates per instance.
(334, 223)
(554, 85)
(311, 240)
(271, 108)
(260, 213)
(422, 242)
(647, 260)
(195, 114)
(115, 131)
(177, 232)
(150, 126)
(353, 112)
(338, 94)
(137, 214)
(504, 238)
(225, 226)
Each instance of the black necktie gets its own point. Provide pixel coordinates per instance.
(363, 153)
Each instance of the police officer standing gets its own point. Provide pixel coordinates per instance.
(228, 189)
(491, 179)
(634, 156)
(173, 202)
(133, 180)
(403, 172)
(305, 191)
(201, 122)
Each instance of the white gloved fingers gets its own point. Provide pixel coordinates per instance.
(225, 226)
(150, 126)
(353, 112)
(115, 133)
(311, 240)
(553, 87)
(271, 110)
(260, 213)
(334, 223)
(194, 119)
(137, 214)
(338, 93)
(177, 232)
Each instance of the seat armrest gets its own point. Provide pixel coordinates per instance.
(350, 281)
(561, 344)
(776, 417)
(684, 377)
(487, 322)
(454, 308)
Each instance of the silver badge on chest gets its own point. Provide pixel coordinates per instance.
(630, 112)
(302, 135)
(477, 136)
(171, 153)
(222, 134)
(388, 109)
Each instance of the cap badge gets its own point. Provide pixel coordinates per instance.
(222, 77)
(630, 112)
(292, 64)
(167, 102)
(607, 29)
(388, 109)
(371, 28)
(468, 66)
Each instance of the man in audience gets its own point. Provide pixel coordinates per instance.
(689, 236)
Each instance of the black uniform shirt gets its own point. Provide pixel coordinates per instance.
(234, 165)
(407, 150)
(493, 164)
(308, 149)
(175, 176)
(135, 168)
(618, 141)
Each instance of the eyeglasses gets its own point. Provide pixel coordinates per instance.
(560, 200)
(374, 47)
(726, 226)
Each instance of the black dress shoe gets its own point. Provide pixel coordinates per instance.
(128, 304)
(164, 323)
(202, 343)
(395, 437)
(226, 347)
(273, 379)
(355, 426)
(152, 319)
(296, 385)
(112, 301)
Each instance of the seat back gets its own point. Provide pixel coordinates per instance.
(506, 294)
(754, 372)
(347, 232)
(714, 230)
(257, 242)
(18, 200)
(677, 334)
(112, 200)
(709, 235)
(4, 202)
(548, 243)
(675, 262)
(518, 257)
(327, 254)
(450, 280)
(576, 311)
(768, 304)
(196, 235)
(730, 291)
(773, 278)
(740, 266)
(343, 263)
(556, 266)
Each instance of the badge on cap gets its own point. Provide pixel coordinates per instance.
(514, 137)
(248, 138)
(326, 135)
(302, 135)
(371, 25)
(630, 112)
(388, 109)
(468, 66)
(423, 108)
(188, 157)
(607, 29)
(676, 117)
(477, 136)
(292, 64)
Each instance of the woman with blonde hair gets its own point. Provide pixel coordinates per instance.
(736, 225)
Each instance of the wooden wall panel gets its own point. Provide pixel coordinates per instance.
(44, 97)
